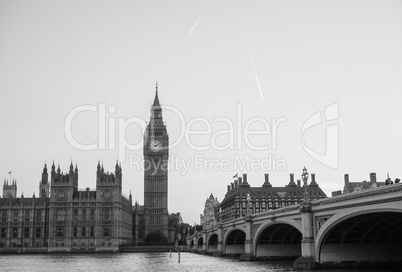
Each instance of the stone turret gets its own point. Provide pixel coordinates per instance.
(59, 178)
(10, 190)
(44, 184)
(108, 185)
(103, 179)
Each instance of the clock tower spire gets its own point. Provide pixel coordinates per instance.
(156, 155)
(156, 100)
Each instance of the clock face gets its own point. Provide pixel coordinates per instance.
(155, 145)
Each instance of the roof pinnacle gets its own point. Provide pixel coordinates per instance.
(156, 100)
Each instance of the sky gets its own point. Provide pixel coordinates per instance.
(223, 67)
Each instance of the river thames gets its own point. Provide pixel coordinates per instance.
(137, 262)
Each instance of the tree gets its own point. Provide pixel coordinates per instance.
(198, 227)
(182, 229)
(195, 228)
(173, 221)
(156, 238)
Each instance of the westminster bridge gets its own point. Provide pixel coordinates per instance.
(363, 227)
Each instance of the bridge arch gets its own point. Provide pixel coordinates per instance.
(212, 244)
(192, 245)
(235, 242)
(369, 235)
(200, 242)
(278, 239)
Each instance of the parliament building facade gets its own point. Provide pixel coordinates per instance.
(64, 218)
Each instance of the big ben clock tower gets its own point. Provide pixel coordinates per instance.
(156, 153)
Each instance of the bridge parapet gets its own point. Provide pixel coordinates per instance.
(263, 215)
(379, 194)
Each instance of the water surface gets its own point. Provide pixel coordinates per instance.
(137, 262)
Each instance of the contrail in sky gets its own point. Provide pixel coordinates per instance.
(195, 24)
(255, 71)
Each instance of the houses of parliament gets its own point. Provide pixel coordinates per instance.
(63, 218)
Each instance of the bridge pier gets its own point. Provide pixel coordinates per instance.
(308, 258)
(195, 244)
(219, 247)
(204, 242)
(249, 244)
(188, 243)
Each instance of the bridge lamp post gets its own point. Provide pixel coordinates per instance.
(305, 178)
(307, 258)
(249, 204)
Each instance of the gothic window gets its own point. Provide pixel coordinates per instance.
(106, 231)
(60, 214)
(75, 231)
(92, 231)
(3, 216)
(59, 231)
(106, 213)
(15, 215)
(92, 214)
(3, 232)
(15, 232)
(26, 232)
(27, 215)
(38, 232)
(84, 214)
(83, 231)
(38, 215)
